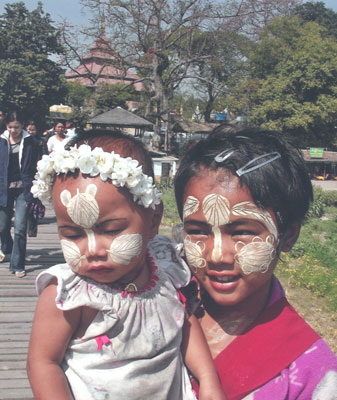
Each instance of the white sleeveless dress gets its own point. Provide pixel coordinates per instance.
(131, 350)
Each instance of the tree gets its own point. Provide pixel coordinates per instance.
(214, 77)
(29, 79)
(156, 37)
(317, 12)
(293, 82)
(109, 96)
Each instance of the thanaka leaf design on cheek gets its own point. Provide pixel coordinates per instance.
(194, 253)
(125, 247)
(255, 256)
(72, 254)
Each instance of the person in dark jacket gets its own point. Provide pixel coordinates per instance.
(18, 158)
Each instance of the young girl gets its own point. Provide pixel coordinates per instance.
(242, 197)
(108, 324)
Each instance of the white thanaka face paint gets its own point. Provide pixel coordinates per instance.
(216, 211)
(191, 206)
(125, 247)
(255, 256)
(83, 209)
(194, 252)
(247, 208)
(72, 254)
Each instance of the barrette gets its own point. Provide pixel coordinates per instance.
(223, 155)
(243, 169)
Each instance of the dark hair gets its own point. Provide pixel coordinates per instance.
(59, 121)
(14, 116)
(112, 140)
(282, 184)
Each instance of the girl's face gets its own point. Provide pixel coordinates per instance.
(103, 233)
(15, 129)
(231, 244)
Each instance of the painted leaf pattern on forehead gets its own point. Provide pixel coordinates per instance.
(191, 206)
(82, 208)
(125, 247)
(247, 208)
(194, 253)
(72, 254)
(216, 209)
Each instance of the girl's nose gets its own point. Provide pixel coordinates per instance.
(222, 251)
(95, 247)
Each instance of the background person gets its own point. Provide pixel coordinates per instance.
(18, 159)
(32, 130)
(243, 197)
(59, 139)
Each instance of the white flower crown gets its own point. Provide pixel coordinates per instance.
(122, 172)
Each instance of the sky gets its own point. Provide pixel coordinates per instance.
(74, 12)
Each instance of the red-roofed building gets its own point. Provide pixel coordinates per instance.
(97, 67)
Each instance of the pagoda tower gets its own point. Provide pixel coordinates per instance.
(97, 67)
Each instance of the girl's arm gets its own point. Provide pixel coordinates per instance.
(199, 361)
(51, 332)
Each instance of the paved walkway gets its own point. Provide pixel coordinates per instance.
(17, 304)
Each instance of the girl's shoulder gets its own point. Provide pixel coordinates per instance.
(168, 258)
(74, 291)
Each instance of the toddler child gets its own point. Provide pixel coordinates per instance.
(108, 323)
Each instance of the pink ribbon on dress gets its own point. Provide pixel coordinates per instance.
(100, 340)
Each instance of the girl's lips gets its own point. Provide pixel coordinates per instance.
(223, 281)
(100, 268)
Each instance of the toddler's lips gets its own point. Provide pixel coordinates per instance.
(99, 268)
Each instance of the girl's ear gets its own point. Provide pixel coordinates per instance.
(156, 219)
(290, 236)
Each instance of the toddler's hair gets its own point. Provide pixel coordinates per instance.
(113, 140)
(282, 184)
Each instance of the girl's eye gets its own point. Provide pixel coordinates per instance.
(244, 232)
(112, 231)
(196, 232)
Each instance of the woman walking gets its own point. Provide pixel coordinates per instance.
(18, 159)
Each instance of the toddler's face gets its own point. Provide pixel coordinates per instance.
(230, 243)
(103, 233)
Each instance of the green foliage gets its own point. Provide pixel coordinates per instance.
(29, 79)
(312, 262)
(78, 94)
(171, 216)
(317, 12)
(108, 96)
(293, 83)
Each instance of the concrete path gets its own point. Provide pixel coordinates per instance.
(17, 304)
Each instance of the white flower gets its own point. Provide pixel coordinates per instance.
(121, 171)
(86, 164)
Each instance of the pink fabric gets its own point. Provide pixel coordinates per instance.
(313, 375)
(100, 340)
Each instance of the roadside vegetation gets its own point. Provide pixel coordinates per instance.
(312, 263)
